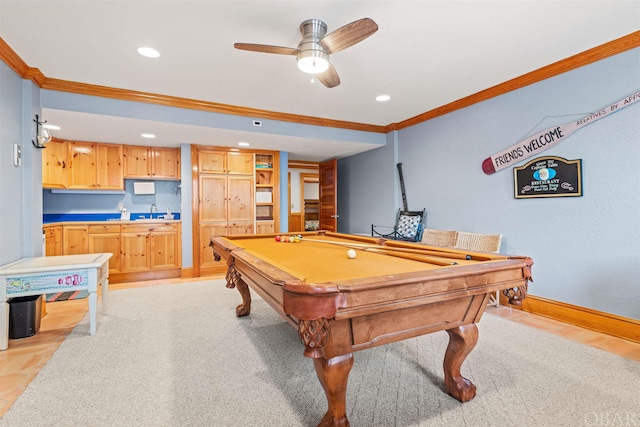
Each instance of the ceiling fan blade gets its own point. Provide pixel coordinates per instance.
(266, 48)
(349, 35)
(330, 77)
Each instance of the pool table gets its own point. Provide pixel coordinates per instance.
(390, 291)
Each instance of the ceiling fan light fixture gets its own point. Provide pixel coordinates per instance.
(313, 61)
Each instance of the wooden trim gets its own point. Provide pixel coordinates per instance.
(11, 58)
(195, 210)
(187, 273)
(610, 324)
(193, 104)
(301, 164)
(598, 53)
(169, 273)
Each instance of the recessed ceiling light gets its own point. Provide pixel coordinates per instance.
(383, 98)
(243, 144)
(52, 127)
(148, 135)
(148, 52)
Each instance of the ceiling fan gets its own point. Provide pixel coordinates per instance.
(313, 51)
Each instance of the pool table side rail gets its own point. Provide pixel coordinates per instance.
(367, 296)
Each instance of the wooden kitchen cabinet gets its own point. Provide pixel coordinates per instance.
(54, 164)
(75, 239)
(106, 238)
(77, 165)
(164, 249)
(150, 246)
(151, 162)
(135, 249)
(53, 240)
(166, 163)
(82, 165)
(225, 162)
(110, 172)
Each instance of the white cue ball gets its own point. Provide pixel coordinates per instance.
(351, 253)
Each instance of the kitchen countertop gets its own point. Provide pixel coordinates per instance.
(114, 221)
(105, 218)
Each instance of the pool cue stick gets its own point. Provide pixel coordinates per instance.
(414, 257)
(404, 194)
(364, 246)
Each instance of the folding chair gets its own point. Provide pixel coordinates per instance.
(408, 227)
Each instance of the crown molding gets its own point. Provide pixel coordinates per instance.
(597, 53)
(614, 47)
(193, 104)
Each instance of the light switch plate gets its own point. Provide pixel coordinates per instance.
(17, 155)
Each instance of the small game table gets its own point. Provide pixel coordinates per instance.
(42, 275)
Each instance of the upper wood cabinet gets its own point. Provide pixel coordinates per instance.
(79, 165)
(151, 162)
(54, 165)
(110, 170)
(225, 162)
(82, 165)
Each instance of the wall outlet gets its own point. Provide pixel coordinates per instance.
(17, 155)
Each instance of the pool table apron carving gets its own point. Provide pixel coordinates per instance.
(337, 317)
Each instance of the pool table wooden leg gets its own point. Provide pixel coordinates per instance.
(333, 375)
(461, 341)
(234, 280)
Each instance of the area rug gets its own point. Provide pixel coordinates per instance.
(176, 355)
(66, 296)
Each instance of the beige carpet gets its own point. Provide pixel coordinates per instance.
(176, 355)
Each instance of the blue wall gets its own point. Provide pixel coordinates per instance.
(586, 249)
(20, 200)
(167, 197)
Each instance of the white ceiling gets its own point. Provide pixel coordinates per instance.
(426, 54)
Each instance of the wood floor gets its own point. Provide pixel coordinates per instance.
(24, 358)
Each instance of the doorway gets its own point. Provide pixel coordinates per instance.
(303, 184)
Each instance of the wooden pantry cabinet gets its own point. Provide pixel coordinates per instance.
(151, 162)
(225, 199)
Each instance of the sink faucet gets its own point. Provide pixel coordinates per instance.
(153, 206)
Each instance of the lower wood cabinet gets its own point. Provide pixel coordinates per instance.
(136, 247)
(209, 229)
(150, 247)
(106, 238)
(53, 240)
(75, 239)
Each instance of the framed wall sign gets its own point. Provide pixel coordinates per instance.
(548, 177)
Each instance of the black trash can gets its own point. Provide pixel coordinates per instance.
(24, 316)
